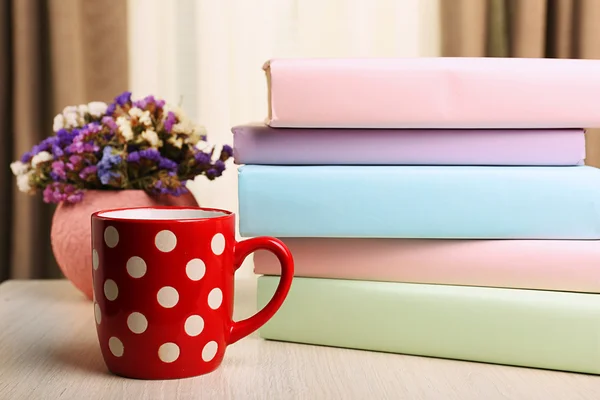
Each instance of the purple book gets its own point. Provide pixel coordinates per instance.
(261, 144)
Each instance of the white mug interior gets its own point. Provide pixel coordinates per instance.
(162, 214)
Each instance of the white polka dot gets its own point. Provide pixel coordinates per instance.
(111, 291)
(195, 269)
(97, 313)
(209, 351)
(167, 297)
(136, 267)
(168, 352)
(194, 325)
(137, 323)
(215, 298)
(116, 346)
(111, 236)
(217, 244)
(165, 241)
(95, 259)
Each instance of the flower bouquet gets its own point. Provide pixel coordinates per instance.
(145, 144)
(122, 154)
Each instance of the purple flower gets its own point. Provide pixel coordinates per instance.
(160, 103)
(227, 150)
(78, 147)
(110, 122)
(106, 164)
(89, 129)
(174, 189)
(87, 171)
(108, 158)
(106, 176)
(123, 98)
(75, 159)
(57, 192)
(219, 166)
(45, 145)
(110, 110)
(57, 151)
(58, 171)
(140, 104)
(152, 155)
(170, 121)
(75, 197)
(148, 154)
(134, 156)
(202, 158)
(66, 137)
(144, 102)
(211, 173)
(165, 163)
(26, 157)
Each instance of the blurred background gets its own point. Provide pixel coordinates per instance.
(207, 55)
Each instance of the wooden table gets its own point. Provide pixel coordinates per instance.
(48, 350)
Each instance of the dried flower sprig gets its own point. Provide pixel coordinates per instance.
(144, 144)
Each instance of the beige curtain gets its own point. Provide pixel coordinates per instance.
(524, 28)
(53, 53)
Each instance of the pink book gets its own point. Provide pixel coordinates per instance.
(563, 265)
(439, 92)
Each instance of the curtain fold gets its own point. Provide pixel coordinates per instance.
(525, 29)
(53, 53)
(464, 26)
(6, 144)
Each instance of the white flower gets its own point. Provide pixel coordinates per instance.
(97, 108)
(198, 133)
(200, 130)
(152, 138)
(19, 168)
(192, 139)
(59, 123)
(41, 157)
(202, 145)
(175, 141)
(23, 182)
(69, 110)
(71, 117)
(185, 127)
(178, 111)
(125, 127)
(141, 115)
(135, 112)
(82, 109)
(74, 116)
(146, 119)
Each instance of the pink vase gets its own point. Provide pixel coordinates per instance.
(71, 233)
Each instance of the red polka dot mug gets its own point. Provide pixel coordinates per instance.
(163, 282)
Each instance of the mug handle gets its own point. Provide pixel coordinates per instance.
(243, 328)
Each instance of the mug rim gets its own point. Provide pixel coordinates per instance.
(226, 214)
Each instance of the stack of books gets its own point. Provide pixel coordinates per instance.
(434, 206)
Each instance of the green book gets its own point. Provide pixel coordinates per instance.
(530, 328)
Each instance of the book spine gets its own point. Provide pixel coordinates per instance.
(420, 202)
(524, 264)
(540, 329)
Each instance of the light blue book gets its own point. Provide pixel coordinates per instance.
(444, 202)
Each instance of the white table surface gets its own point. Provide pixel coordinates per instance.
(48, 350)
